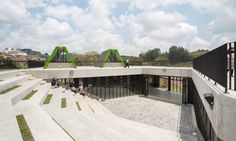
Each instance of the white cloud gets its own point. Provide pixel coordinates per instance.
(152, 4)
(12, 10)
(179, 32)
(141, 27)
(63, 11)
(35, 3)
(199, 43)
(54, 29)
(224, 13)
(152, 29)
(157, 19)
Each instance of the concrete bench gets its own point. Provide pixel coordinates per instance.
(17, 94)
(12, 81)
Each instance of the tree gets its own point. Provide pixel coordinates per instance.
(134, 60)
(150, 55)
(198, 52)
(178, 54)
(88, 58)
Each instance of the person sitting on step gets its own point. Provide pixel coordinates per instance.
(81, 89)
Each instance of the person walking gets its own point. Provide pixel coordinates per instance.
(127, 63)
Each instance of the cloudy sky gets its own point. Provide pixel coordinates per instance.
(130, 26)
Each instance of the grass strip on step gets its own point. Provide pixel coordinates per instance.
(48, 99)
(24, 128)
(28, 96)
(64, 130)
(9, 89)
(63, 103)
(77, 103)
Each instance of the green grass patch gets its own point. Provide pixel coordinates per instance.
(9, 89)
(77, 103)
(28, 96)
(24, 128)
(48, 99)
(63, 103)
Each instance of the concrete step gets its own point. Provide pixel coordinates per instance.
(39, 96)
(20, 73)
(85, 107)
(71, 101)
(9, 129)
(96, 106)
(56, 98)
(17, 94)
(42, 126)
(12, 81)
(128, 131)
(108, 127)
(133, 128)
(83, 128)
(7, 74)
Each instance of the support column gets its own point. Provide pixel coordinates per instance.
(184, 96)
(156, 81)
(76, 82)
(145, 85)
(106, 81)
(169, 83)
(234, 66)
(229, 63)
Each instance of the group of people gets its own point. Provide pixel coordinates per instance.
(55, 83)
(74, 89)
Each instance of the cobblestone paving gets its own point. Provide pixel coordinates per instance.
(153, 112)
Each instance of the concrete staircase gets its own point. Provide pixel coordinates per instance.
(49, 122)
(9, 129)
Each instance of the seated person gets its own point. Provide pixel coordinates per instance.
(53, 83)
(73, 89)
(81, 90)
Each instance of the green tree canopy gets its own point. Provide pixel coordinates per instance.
(178, 54)
(150, 55)
(198, 52)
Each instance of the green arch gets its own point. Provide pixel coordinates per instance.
(109, 53)
(54, 53)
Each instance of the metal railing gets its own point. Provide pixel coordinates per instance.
(203, 122)
(218, 65)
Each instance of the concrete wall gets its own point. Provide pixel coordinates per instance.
(165, 95)
(82, 72)
(223, 113)
(113, 64)
(168, 71)
(60, 65)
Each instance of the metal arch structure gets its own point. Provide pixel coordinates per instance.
(56, 52)
(112, 54)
